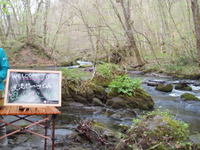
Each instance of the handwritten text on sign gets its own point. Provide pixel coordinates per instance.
(34, 87)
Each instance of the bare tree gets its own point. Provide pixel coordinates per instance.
(127, 26)
(47, 6)
(196, 19)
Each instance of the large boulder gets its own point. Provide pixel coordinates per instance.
(87, 92)
(140, 100)
(164, 87)
(83, 92)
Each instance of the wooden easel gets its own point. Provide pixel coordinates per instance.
(22, 113)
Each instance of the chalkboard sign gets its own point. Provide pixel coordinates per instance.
(33, 87)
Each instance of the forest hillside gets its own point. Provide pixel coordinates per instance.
(162, 35)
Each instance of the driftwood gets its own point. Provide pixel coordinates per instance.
(86, 130)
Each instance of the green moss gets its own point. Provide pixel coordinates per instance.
(188, 97)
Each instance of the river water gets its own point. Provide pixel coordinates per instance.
(188, 111)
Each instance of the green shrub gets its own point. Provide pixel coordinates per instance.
(124, 85)
(105, 73)
(107, 70)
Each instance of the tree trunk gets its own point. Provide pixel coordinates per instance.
(126, 25)
(47, 6)
(196, 19)
(129, 31)
(2, 37)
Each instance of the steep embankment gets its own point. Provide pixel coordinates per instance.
(30, 55)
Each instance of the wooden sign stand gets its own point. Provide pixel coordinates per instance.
(33, 88)
(49, 115)
(32, 85)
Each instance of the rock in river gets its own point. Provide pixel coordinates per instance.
(183, 87)
(164, 87)
(189, 97)
(97, 102)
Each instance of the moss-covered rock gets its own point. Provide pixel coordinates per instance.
(164, 87)
(183, 87)
(157, 131)
(189, 97)
(140, 100)
(89, 92)
(82, 91)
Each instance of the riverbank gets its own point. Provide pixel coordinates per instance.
(178, 67)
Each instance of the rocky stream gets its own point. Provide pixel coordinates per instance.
(115, 119)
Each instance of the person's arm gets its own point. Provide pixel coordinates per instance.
(4, 64)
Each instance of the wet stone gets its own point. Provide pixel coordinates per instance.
(97, 102)
(123, 114)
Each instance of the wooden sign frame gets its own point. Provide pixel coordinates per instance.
(6, 103)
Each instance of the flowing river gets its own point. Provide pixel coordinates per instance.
(188, 111)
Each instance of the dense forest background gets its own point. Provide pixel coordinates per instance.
(161, 34)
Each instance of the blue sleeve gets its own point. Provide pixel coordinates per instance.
(4, 65)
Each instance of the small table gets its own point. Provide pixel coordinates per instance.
(48, 112)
